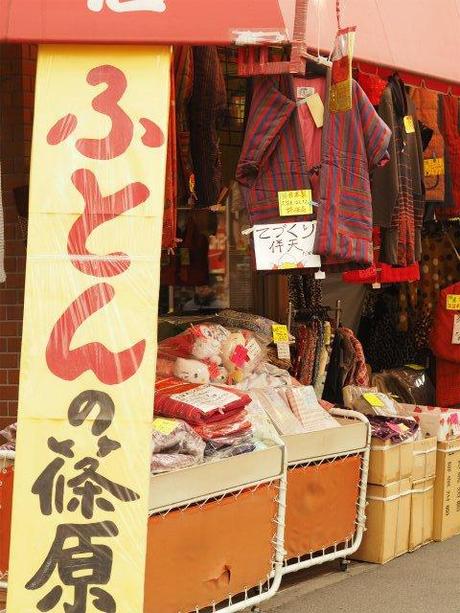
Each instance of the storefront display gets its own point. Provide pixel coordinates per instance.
(303, 370)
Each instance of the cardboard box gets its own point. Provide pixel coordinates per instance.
(389, 462)
(424, 459)
(388, 522)
(447, 491)
(421, 515)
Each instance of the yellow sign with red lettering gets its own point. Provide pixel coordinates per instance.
(89, 339)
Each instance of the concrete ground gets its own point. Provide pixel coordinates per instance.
(426, 581)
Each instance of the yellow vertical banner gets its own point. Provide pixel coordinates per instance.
(89, 338)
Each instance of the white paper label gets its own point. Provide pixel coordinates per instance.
(304, 92)
(253, 349)
(283, 351)
(285, 245)
(206, 398)
(456, 330)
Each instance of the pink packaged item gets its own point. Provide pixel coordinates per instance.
(209, 353)
(435, 421)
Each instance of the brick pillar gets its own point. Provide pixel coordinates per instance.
(17, 82)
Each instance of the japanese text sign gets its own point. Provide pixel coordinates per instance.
(295, 202)
(140, 21)
(89, 339)
(453, 302)
(285, 245)
(280, 333)
(434, 167)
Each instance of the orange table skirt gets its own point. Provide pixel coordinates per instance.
(201, 555)
(6, 499)
(321, 505)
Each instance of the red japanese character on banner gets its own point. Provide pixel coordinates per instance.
(99, 209)
(121, 134)
(68, 364)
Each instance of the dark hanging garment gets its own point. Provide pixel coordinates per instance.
(398, 191)
(450, 128)
(207, 108)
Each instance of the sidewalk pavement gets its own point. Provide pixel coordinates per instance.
(426, 581)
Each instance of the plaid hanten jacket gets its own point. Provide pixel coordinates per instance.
(354, 143)
(273, 157)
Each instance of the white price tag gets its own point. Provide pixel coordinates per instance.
(283, 351)
(456, 330)
(207, 398)
(253, 349)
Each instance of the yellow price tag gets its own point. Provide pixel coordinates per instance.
(453, 302)
(373, 400)
(164, 425)
(415, 366)
(280, 333)
(409, 124)
(434, 167)
(296, 202)
(288, 265)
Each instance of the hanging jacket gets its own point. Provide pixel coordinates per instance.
(450, 129)
(446, 351)
(273, 157)
(354, 143)
(398, 191)
(427, 107)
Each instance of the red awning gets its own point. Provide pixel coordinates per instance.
(142, 21)
(419, 38)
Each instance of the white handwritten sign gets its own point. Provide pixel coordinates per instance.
(285, 245)
(127, 6)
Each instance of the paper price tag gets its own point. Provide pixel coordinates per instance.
(295, 202)
(164, 426)
(184, 255)
(456, 330)
(305, 92)
(316, 106)
(415, 366)
(283, 351)
(280, 333)
(434, 167)
(373, 400)
(409, 124)
(453, 302)
(253, 349)
(288, 265)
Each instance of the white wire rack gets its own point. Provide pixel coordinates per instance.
(252, 596)
(342, 550)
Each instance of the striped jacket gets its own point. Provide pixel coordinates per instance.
(273, 157)
(354, 142)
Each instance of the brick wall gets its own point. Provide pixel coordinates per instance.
(17, 83)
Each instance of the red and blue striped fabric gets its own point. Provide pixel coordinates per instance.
(273, 157)
(354, 142)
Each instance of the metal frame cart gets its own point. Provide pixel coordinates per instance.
(330, 446)
(187, 489)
